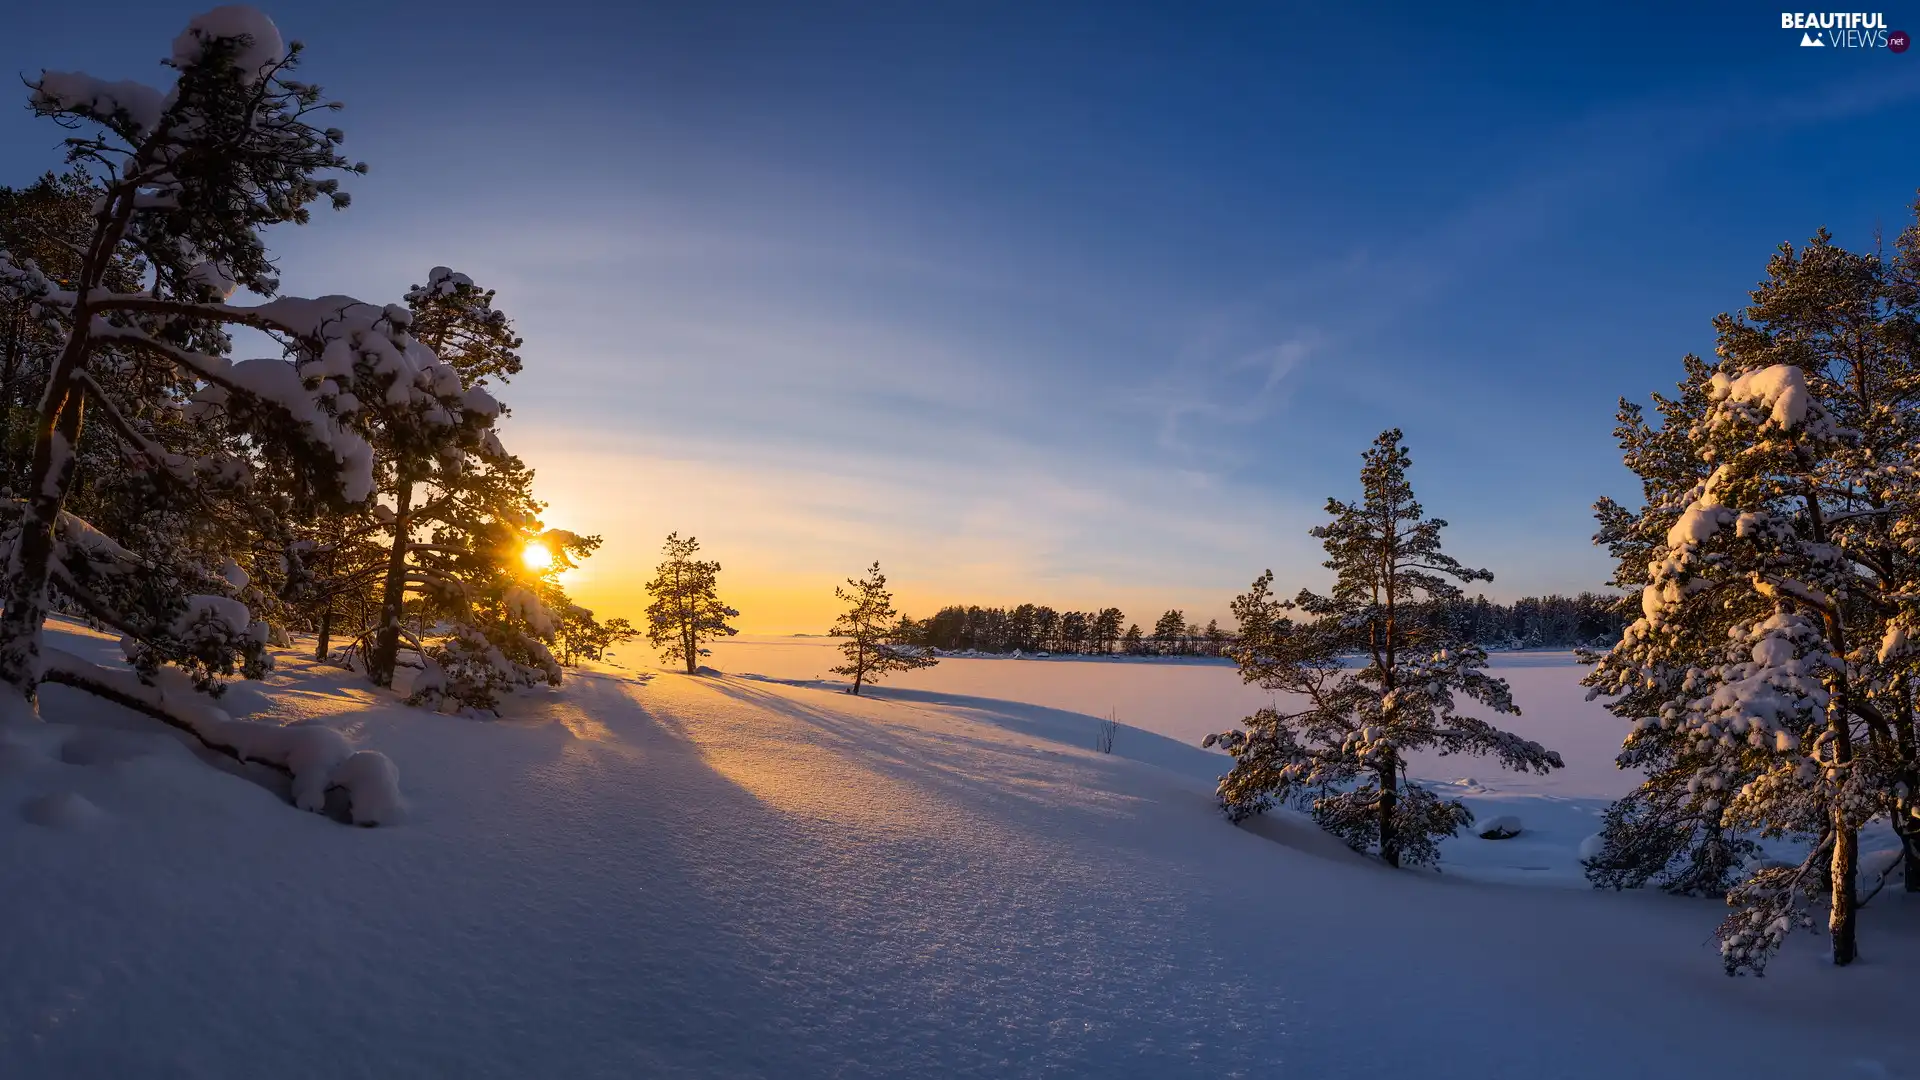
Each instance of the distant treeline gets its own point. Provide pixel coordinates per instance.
(1534, 622)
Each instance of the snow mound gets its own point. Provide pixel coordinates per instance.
(311, 753)
(1504, 827)
(373, 786)
(1591, 847)
(261, 39)
(61, 810)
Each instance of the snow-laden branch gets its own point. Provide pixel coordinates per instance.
(317, 758)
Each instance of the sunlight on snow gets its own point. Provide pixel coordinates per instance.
(789, 767)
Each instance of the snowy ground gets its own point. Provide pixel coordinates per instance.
(736, 877)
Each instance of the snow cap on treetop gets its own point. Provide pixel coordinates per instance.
(262, 44)
(1780, 390)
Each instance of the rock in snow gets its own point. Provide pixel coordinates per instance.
(1504, 827)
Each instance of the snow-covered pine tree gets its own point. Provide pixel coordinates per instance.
(1340, 745)
(686, 609)
(329, 572)
(417, 447)
(496, 610)
(868, 626)
(185, 181)
(1769, 677)
(1665, 832)
(47, 223)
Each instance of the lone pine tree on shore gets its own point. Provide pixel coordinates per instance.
(1342, 752)
(869, 627)
(686, 608)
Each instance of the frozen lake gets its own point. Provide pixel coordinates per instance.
(1186, 699)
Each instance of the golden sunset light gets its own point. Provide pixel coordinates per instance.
(1088, 539)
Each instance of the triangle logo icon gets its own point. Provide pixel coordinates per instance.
(1808, 41)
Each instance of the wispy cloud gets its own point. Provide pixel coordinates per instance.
(1333, 311)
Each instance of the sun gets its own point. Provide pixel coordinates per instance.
(536, 556)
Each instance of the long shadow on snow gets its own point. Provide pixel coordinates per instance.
(1280, 825)
(959, 777)
(1078, 730)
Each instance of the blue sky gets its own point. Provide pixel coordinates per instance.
(1076, 303)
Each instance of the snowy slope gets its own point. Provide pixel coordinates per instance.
(724, 876)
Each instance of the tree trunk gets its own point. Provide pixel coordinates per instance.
(1846, 856)
(1389, 797)
(326, 632)
(1904, 825)
(386, 643)
(26, 595)
(1846, 840)
(7, 372)
(1909, 845)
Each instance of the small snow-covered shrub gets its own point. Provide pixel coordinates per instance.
(468, 672)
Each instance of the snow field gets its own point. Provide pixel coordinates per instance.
(736, 877)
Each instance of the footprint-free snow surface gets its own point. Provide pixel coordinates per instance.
(723, 876)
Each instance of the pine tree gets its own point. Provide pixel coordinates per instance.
(1107, 629)
(1216, 638)
(1769, 677)
(686, 608)
(583, 637)
(1169, 633)
(183, 183)
(871, 647)
(329, 569)
(1343, 751)
(446, 445)
(193, 458)
(1134, 643)
(47, 224)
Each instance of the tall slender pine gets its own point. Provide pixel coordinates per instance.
(1338, 743)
